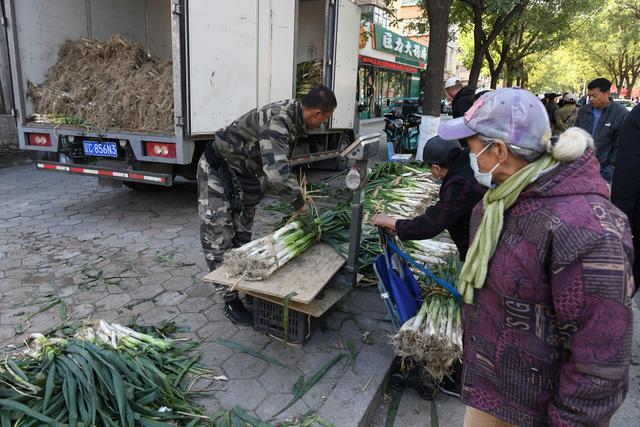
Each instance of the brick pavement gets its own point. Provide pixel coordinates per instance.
(117, 254)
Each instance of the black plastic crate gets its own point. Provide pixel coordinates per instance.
(268, 318)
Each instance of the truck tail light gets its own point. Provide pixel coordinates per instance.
(39, 139)
(161, 149)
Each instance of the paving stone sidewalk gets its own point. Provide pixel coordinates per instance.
(119, 255)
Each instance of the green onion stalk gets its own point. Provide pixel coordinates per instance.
(259, 259)
(432, 338)
(105, 374)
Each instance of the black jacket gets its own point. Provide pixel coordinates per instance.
(606, 132)
(551, 112)
(462, 101)
(625, 187)
(459, 193)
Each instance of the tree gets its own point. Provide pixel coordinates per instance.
(542, 26)
(487, 18)
(438, 18)
(565, 69)
(435, 20)
(613, 44)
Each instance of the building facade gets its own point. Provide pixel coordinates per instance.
(392, 56)
(389, 68)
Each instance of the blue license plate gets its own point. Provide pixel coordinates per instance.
(100, 149)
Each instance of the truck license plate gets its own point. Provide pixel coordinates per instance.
(100, 149)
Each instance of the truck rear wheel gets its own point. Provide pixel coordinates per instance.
(343, 143)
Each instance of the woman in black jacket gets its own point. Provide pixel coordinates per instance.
(459, 193)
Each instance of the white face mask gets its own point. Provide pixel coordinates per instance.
(483, 178)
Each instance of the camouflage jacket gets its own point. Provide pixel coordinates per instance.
(259, 144)
(566, 117)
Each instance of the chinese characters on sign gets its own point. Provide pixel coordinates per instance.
(391, 42)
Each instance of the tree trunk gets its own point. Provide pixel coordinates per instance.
(481, 43)
(495, 74)
(504, 54)
(438, 15)
(508, 81)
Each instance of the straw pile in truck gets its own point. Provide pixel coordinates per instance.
(308, 76)
(104, 85)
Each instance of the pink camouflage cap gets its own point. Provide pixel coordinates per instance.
(513, 115)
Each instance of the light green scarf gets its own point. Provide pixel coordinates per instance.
(496, 201)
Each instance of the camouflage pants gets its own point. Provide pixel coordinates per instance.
(222, 227)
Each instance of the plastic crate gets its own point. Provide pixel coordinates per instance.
(268, 318)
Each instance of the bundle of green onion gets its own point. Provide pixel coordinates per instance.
(432, 338)
(106, 374)
(400, 190)
(404, 195)
(430, 252)
(260, 258)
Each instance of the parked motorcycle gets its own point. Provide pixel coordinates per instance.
(402, 132)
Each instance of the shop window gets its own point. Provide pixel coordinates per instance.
(381, 18)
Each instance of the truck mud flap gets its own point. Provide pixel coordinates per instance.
(124, 175)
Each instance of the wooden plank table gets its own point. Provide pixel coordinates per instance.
(306, 275)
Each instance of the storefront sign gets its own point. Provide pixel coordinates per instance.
(386, 64)
(401, 46)
(412, 62)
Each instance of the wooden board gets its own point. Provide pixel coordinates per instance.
(316, 308)
(306, 275)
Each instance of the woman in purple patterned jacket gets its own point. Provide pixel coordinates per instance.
(548, 331)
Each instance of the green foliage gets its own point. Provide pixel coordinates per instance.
(530, 41)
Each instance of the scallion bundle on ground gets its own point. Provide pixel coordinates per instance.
(106, 374)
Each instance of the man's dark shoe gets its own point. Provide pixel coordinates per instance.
(451, 382)
(235, 310)
(213, 264)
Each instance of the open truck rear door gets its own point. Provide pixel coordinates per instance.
(344, 61)
(239, 56)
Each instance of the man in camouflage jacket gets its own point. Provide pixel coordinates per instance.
(245, 158)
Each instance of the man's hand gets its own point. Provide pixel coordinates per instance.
(385, 221)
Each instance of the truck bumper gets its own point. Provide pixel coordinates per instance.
(122, 175)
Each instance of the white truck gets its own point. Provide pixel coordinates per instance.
(227, 58)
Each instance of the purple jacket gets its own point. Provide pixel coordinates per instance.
(548, 337)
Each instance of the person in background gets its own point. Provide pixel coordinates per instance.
(250, 154)
(562, 100)
(566, 116)
(459, 193)
(548, 329)
(461, 97)
(551, 108)
(625, 187)
(602, 119)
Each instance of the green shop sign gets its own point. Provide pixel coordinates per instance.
(403, 47)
